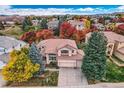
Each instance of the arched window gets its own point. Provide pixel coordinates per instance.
(64, 51)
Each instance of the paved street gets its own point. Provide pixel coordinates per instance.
(70, 77)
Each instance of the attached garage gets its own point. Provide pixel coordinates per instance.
(69, 63)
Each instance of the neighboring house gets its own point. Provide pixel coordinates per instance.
(107, 21)
(53, 24)
(62, 51)
(115, 44)
(95, 20)
(79, 25)
(36, 22)
(9, 23)
(99, 26)
(117, 24)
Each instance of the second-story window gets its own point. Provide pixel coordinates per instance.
(64, 51)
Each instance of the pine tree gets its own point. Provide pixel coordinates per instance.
(94, 61)
(44, 24)
(26, 24)
(36, 57)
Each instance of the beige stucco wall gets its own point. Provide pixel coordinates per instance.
(70, 51)
(119, 55)
(47, 59)
(111, 50)
(121, 45)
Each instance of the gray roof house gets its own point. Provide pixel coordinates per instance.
(53, 24)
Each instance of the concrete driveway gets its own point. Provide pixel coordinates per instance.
(70, 77)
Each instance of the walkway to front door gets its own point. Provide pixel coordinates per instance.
(70, 77)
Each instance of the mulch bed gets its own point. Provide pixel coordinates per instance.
(50, 79)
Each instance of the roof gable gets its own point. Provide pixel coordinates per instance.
(67, 46)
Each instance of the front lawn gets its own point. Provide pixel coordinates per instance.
(15, 32)
(50, 79)
(114, 73)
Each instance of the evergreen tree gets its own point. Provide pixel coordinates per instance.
(44, 23)
(36, 57)
(94, 61)
(26, 24)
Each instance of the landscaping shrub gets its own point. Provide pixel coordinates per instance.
(50, 79)
(114, 73)
(52, 64)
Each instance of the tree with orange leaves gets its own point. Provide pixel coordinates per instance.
(120, 29)
(44, 34)
(67, 30)
(28, 37)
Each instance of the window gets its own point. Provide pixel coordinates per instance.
(72, 51)
(64, 51)
(40, 49)
(52, 57)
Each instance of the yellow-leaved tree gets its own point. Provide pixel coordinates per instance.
(19, 68)
(87, 24)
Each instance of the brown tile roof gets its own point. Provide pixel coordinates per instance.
(51, 45)
(74, 57)
(79, 56)
(112, 36)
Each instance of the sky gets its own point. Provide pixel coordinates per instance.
(59, 9)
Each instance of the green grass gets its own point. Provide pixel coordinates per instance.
(15, 32)
(50, 79)
(114, 73)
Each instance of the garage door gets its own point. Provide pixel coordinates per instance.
(67, 63)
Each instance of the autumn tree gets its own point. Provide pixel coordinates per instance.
(26, 25)
(120, 29)
(80, 35)
(28, 37)
(19, 68)
(101, 20)
(67, 30)
(87, 24)
(36, 58)
(44, 34)
(94, 61)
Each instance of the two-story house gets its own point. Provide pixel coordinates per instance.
(36, 22)
(79, 25)
(115, 44)
(62, 51)
(53, 24)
